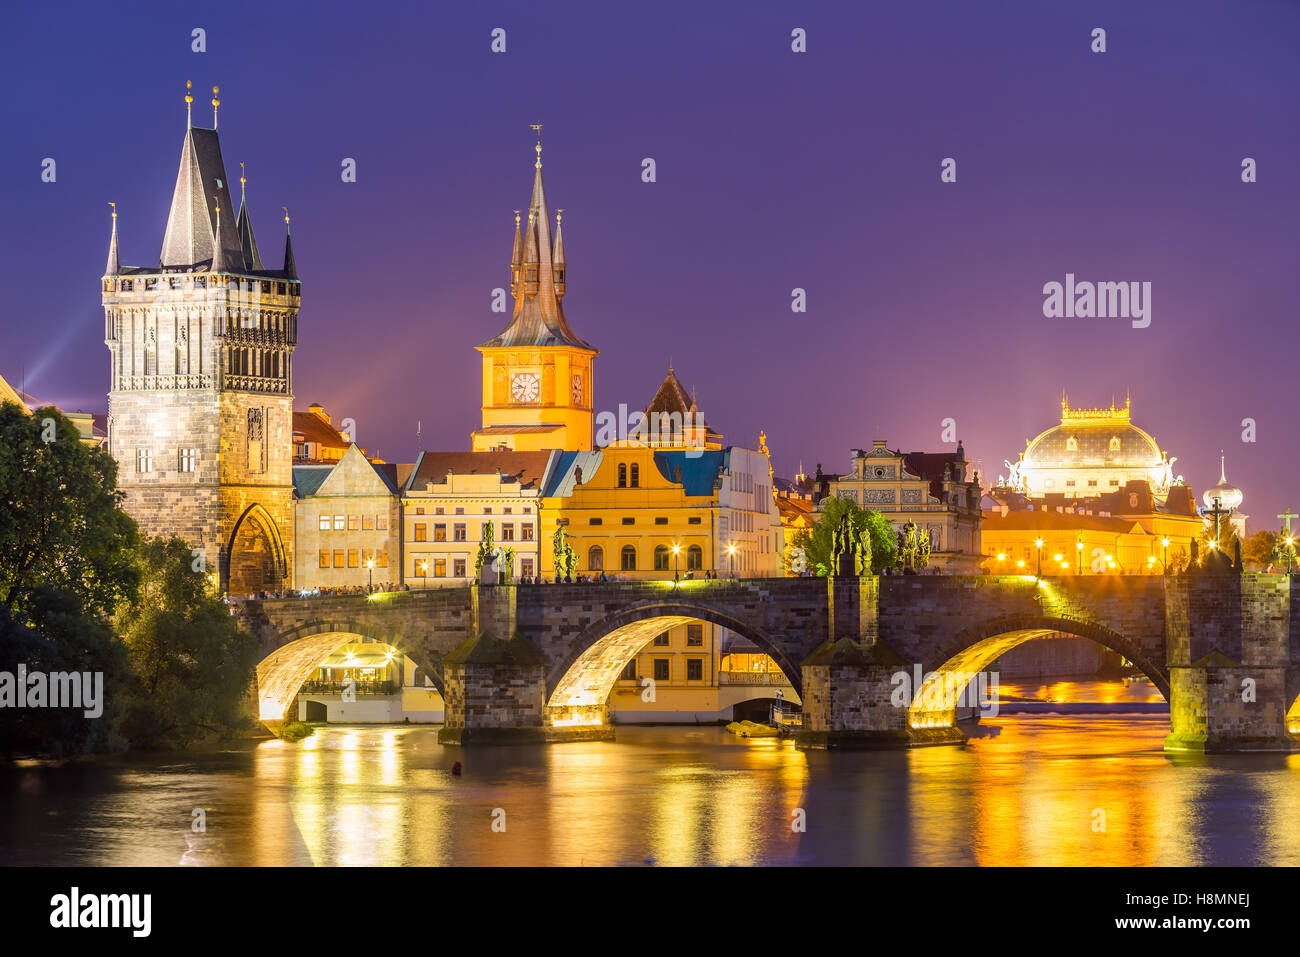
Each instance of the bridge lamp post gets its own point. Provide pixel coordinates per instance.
(370, 564)
(731, 553)
(1038, 544)
(676, 548)
(424, 565)
(1164, 544)
(1078, 556)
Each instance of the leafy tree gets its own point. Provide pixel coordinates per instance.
(1259, 551)
(67, 563)
(817, 541)
(192, 665)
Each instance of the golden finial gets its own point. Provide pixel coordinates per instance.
(215, 103)
(114, 205)
(189, 101)
(217, 200)
(516, 219)
(559, 214)
(286, 218)
(242, 180)
(538, 128)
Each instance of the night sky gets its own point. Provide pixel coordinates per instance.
(775, 170)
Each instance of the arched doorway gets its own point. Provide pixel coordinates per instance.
(254, 559)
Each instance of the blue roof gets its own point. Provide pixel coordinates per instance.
(700, 469)
(562, 474)
(307, 479)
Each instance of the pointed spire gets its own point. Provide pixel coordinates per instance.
(1223, 477)
(218, 254)
(244, 225)
(189, 102)
(191, 225)
(516, 260)
(290, 267)
(112, 268)
(558, 258)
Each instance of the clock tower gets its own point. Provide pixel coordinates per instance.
(537, 372)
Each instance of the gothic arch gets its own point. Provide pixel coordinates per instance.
(257, 517)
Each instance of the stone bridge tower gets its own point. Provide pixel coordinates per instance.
(201, 378)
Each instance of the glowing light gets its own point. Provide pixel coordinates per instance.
(1020, 563)
(1164, 542)
(1058, 557)
(1038, 543)
(1002, 557)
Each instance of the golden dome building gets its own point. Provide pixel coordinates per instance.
(1091, 452)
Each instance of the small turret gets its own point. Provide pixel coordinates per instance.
(516, 260)
(557, 261)
(290, 267)
(218, 254)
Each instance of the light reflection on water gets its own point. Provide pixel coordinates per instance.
(1024, 790)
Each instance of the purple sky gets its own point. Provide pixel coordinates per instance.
(775, 170)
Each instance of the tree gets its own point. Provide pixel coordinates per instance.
(1260, 550)
(67, 552)
(192, 666)
(817, 540)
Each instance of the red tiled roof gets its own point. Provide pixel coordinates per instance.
(313, 428)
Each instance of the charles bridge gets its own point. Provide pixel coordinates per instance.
(538, 662)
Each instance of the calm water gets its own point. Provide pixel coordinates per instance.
(1022, 792)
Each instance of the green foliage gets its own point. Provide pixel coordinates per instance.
(1281, 550)
(192, 666)
(295, 731)
(66, 548)
(868, 526)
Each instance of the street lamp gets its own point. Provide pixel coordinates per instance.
(1164, 543)
(425, 565)
(1078, 556)
(731, 552)
(676, 548)
(370, 564)
(1038, 543)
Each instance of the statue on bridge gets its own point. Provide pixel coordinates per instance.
(850, 550)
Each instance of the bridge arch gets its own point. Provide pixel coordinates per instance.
(581, 680)
(254, 557)
(973, 649)
(299, 652)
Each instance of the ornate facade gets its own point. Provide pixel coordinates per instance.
(201, 381)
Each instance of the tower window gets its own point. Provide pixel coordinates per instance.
(622, 475)
(636, 475)
(189, 460)
(144, 460)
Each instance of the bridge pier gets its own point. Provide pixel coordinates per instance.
(850, 697)
(1228, 647)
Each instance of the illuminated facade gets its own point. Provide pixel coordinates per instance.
(1090, 453)
(537, 372)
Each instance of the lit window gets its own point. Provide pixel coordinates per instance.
(440, 568)
(189, 460)
(526, 532)
(458, 568)
(354, 523)
(324, 524)
(338, 523)
(324, 558)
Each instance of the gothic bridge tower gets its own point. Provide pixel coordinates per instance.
(201, 378)
(537, 372)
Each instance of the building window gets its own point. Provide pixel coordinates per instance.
(636, 475)
(507, 511)
(596, 559)
(695, 635)
(661, 521)
(1092, 483)
(440, 568)
(595, 521)
(421, 569)
(458, 532)
(421, 532)
(487, 509)
(381, 558)
(1072, 444)
(661, 669)
(324, 558)
(460, 509)
(340, 558)
(526, 567)
(367, 556)
(629, 671)
(1114, 443)
(338, 523)
(353, 558)
(1069, 483)
(458, 568)
(381, 522)
(354, 523)
(526, 532)
(661, 558)
(367, 523)
(694, 669)
(693, 520)
(439, 511)
(694, 558)
(629, 521)
(528, 510)
(419, 510)
(144, 460)
(189, 460)
(507, 532)
(440, 531)
(1114, 483)
(629, 558)
(661, 639)
(622, 475)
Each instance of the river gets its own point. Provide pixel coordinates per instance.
(1024, 790)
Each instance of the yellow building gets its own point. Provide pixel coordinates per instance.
(537, 372)
(1126, 532)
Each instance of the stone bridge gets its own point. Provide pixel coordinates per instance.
(538, 662)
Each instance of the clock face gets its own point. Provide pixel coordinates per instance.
(525, 387)
(577, 390)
